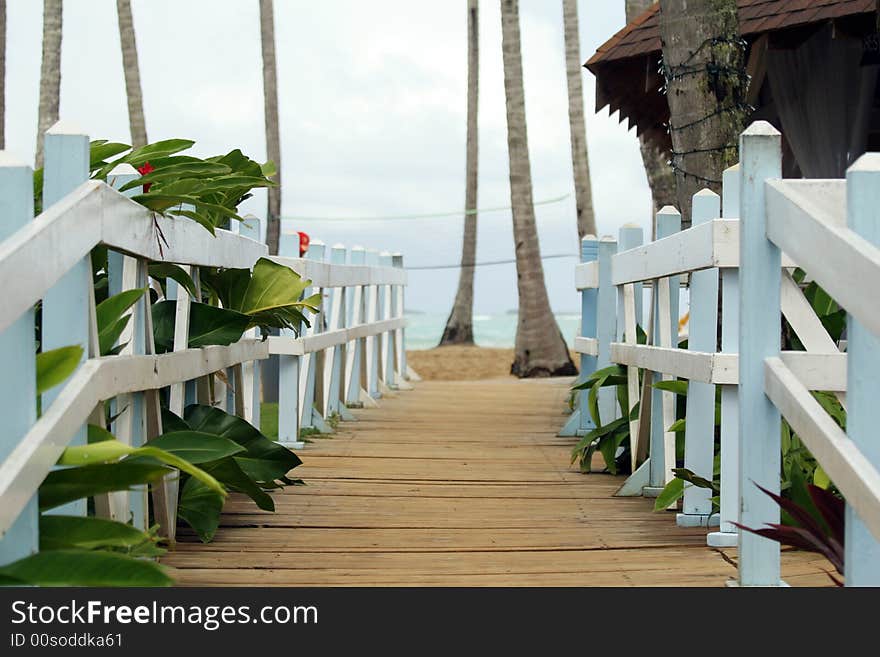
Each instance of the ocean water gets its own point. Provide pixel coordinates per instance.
(424, 330)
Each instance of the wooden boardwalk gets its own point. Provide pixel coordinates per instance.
(458, 484)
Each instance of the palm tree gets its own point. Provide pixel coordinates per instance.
(50, 73)
(704, 64)
(661, 177)
(2, 74)
(540, 349)
(136, 121)
(460, 325)
(586, 219)
(270, 110)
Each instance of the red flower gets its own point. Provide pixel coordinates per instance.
(303, 243)
(144, 170)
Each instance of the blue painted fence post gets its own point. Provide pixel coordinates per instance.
(312, 362)
(373, 309)
(18, 388)
(66, 304)
(630, 236)
(668, 223)
(338, 299)
(726, 536)
(606, 325)
(398, 309)
(355, 317)
(251, 372)
(759, 338)
(861, 548)
(386, 305)
(289, 373)
(699, 446)
(589, 313)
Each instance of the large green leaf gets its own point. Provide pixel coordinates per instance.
(88, 533)
(200, 508)
(212, 420)
(272, 286)
(156, 150)
(234, 478)
(112, 450)
(671, 493)
(86, 568)
(678, 387)
(196, 446)
(208, 325)
(162, 270)
(109, 315)
(54, 366)
(69, 484)
(181, 170)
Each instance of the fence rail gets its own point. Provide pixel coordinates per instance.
(46, 260)
(746, 248)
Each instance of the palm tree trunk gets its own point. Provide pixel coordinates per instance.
(704, 64)
(50, 73)
(270, 109)
(136, 122)
(460, 325)
(540, 348)
(661, 177)
(586, 218)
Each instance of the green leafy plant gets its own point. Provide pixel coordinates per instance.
(207, 190)
(255, 466)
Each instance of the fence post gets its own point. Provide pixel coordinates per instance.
(726, 536)
(311, 363)
(759, 338)
(668, 223)
(251, 371)
(18, 388)
(606, 325)
(630, 236)
(333, 357)
(129, 424)
(699, 437)
(399, 310)
(861, 548)
(580, 422)
(372, 341)
(290, 410)
(65, 319)
(629, 314)
(355, 353)
(386, 293)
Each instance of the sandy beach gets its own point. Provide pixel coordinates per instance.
(455, 363)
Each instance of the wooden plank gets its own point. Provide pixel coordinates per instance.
(404, 497)
(586, 274)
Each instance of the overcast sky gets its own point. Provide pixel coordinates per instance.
(373, 102)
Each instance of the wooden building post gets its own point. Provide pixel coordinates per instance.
(726, 536)
(372, 341)
(18, 388)
(760, 278)
(251, 371)
(861, 547)
(699, 446)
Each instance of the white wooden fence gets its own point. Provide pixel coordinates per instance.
(353, 352)
(764, 228)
